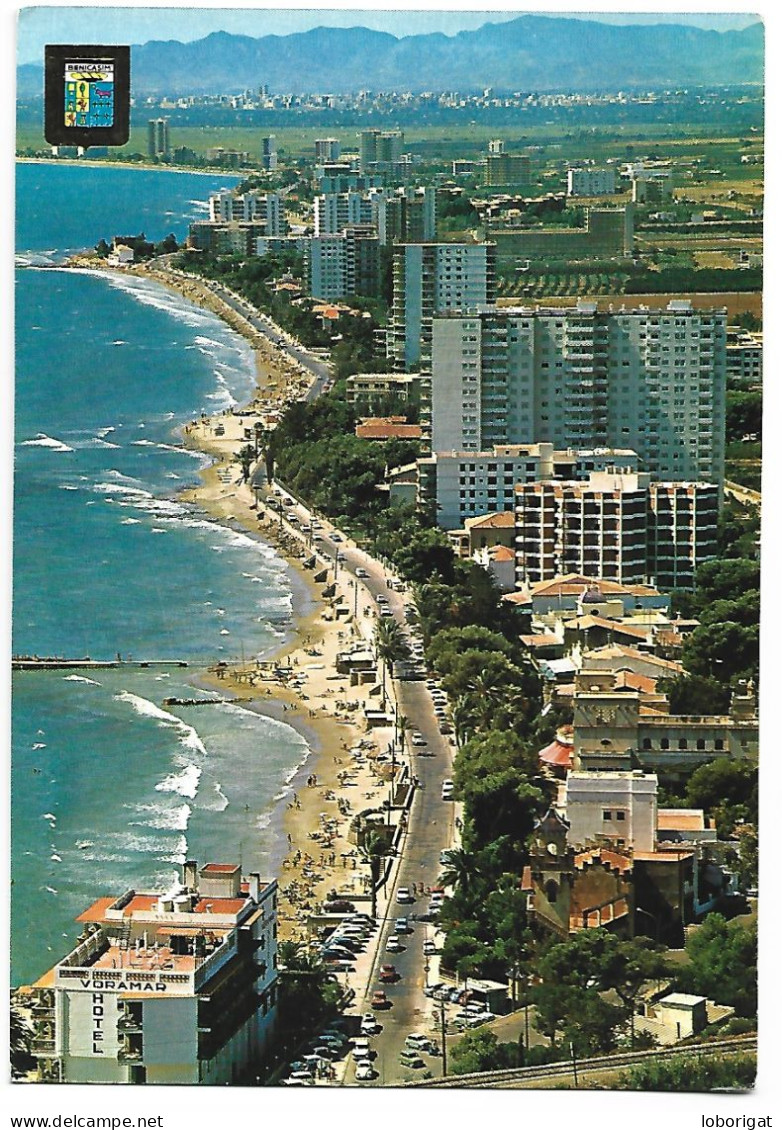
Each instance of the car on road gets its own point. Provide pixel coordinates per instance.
(417, 738)
(447, 789)
(429, 947)
(403, 895)
(418, 1042)
(379, 999)
(410, 1059)
(299, 1079)
(361, 572)
(388, 974)
(402, 926)
(393, 945)
(364, 1070)
(361, 1049)
(369, 1025)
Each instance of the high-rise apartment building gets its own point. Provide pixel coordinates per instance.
(591, 182)
(157, 138)
(344, 264)
(327, 149)
(335, 210)
(174, 988)
(269, 153)
(433, 278)
(649, 380)
(465, 484)
(227, 206)
(507, 169)
(407, 216)
(380, 147)
(619, 526)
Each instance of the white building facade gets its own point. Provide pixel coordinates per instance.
(177, 988)
(649, 380)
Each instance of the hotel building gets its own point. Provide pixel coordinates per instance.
(172, 988)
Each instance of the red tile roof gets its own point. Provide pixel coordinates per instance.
(557, 753)
(381, 430)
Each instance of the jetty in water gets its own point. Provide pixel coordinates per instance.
(57, 663)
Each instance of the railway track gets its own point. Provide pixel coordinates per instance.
(515, 1076)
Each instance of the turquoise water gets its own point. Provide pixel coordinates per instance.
(110, 788)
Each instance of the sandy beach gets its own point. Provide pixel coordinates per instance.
(298, 683)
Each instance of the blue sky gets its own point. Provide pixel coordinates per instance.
(67, 24)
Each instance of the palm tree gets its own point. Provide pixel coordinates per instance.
(372, 849)
(461, 869)
(390, 645)
(461, 716)
(22, 1061)
(245, 457)
(402, 730)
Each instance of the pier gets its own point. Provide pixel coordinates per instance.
(54, 663)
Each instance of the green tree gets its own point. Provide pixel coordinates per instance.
(679, 1074)
(390, 645)
(245, 458)
(723, 963)
(21, 1035)
(372, 848)
(482, 1051)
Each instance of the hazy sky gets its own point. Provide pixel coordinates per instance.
(108, 24)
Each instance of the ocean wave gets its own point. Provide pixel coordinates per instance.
(163, 817)
(148, 709)
(121, 488)
(200, 340)
(42, 440)
(184, 783)
(79, 679)
(130, 522)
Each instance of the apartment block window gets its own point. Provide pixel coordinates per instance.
(620, 815)
(606, 813)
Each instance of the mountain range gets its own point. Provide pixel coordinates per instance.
(531, 53)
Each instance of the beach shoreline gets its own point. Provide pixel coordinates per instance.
(311, 843)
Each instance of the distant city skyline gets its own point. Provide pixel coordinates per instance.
(137, 25)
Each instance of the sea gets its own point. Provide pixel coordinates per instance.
(110, 787)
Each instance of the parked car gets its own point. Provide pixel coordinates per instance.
(388, 974)
(393, 945)
(364, 1070)
(402, 926)
(429, 947)
(361, 1050)
(361, 572)
(369, 1025)
(418, 1042)
(403, 895)
(379, 999)
(410, 1059)
(417, 739)
(447, 790)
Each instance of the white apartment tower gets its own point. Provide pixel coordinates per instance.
(649, 380)
(227, 206)
(430, 279)
(619, 526)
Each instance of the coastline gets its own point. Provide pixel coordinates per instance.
(310, 841)
(83, 162)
